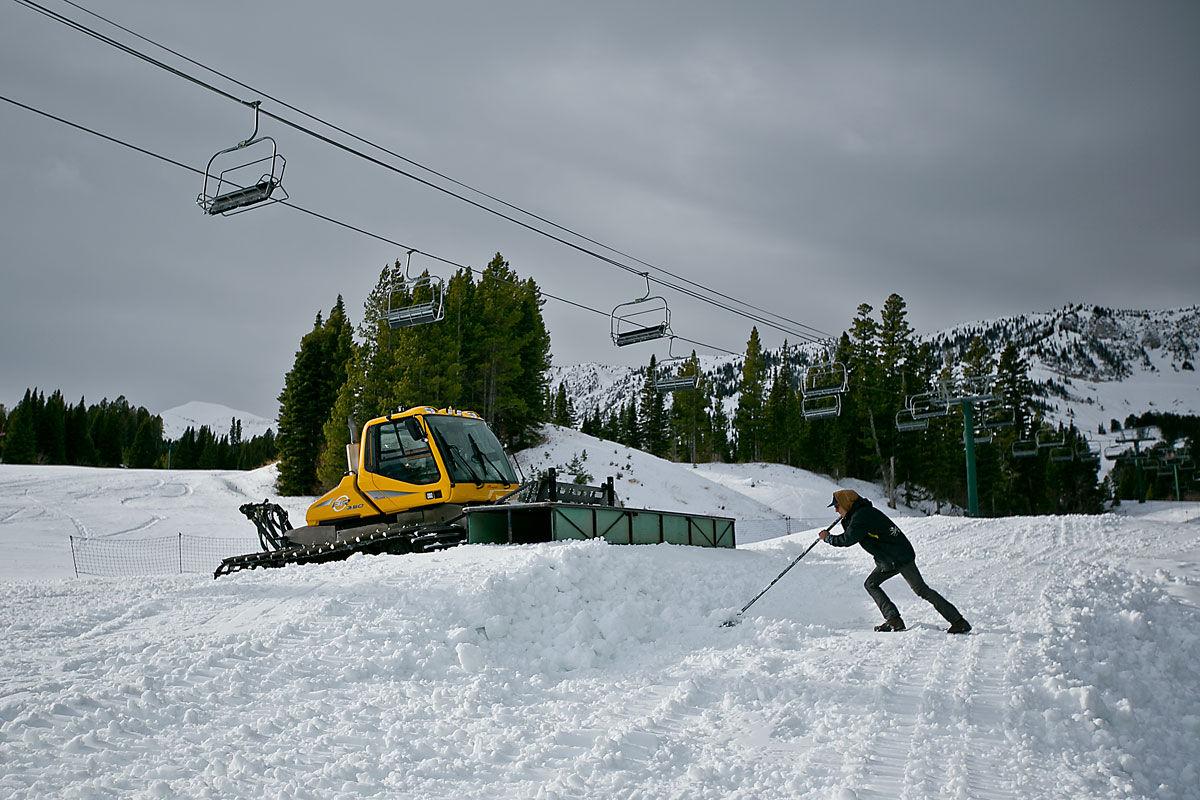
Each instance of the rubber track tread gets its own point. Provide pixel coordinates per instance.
(396, 542)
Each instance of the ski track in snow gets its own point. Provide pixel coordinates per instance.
(583, 670)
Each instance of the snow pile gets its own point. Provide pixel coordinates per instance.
(595, 671)
(1119, 685)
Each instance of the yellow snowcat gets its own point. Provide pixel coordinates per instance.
(410, 476)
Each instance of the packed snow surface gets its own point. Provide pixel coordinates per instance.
(586, 670)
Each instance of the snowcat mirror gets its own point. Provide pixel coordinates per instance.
(413, 426)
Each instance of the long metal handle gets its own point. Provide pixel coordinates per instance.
(785, 572)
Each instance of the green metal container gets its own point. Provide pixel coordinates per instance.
(529, 523)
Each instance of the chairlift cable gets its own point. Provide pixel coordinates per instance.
(799, 334)
(433, 171)
(348, 226)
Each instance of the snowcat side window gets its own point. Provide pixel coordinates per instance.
(399, 455)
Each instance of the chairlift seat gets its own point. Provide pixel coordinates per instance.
(824, 380)
(1024, 448)
(678, 383)
(928, 406)
(622, 338)
(254, 182)
(906, 423)
(1048, 439)
(1062, 453)
(416, 313)
(411, 316)
(242, 198)
(821, 407)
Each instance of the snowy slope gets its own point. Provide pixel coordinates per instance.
(1092, 364)
(584, 670)
(215, 416)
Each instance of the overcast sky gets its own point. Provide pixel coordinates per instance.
(981, 159)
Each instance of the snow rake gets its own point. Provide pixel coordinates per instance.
(736, 618)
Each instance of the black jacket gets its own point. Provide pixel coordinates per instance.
(868, 526)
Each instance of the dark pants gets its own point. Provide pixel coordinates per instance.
(918, 585)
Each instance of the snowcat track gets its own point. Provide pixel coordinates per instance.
(397, 542)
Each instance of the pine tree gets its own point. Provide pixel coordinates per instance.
(304, 407)
(53, 441)
(147, 444)
(722, 450)
(20, 439)
(563, 415)
(655, 433)
(689, 416)
(748, 419)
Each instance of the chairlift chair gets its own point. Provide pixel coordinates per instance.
(404, 310)
(821, 406)
(905, 422)
(825, 380)
(627, 323)
(1062, 453)
(982, 436)
(975, 390)
(1024, 448)
(995, 417)
(244, 184)
(928, 405)
(1047, 438)
(675, 383)
(1115, 452)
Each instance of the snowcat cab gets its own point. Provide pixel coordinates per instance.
(244, 184)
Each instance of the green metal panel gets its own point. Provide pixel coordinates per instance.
(544, 522)
(488, 529)
(675, 529)
(647, 528)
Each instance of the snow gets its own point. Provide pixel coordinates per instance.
(215, 416)
(587, 670)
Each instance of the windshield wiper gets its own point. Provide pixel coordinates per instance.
(460, 459)
(482, 457)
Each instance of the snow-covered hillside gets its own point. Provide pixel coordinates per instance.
(586, 670)
(1092, 364)
(213, 415)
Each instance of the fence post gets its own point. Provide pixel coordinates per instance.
(787, 522)
(180, 552)
(74, 563)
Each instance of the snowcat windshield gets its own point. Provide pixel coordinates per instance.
(475, 452)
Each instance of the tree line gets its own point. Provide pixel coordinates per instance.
(114, 433)
(489, 354)
(886, 365)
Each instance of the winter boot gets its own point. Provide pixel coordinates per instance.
(893, 624)
(962, 626)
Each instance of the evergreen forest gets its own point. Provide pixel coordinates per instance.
(49, 430)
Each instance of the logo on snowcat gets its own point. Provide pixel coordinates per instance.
(340, 504)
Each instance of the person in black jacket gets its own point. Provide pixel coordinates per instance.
(865, 525)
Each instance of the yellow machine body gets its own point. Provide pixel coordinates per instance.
(416, 461)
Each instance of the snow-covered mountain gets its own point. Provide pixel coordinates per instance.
(1092, 364)
(213, 415)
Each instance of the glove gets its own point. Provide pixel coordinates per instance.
(824, 535)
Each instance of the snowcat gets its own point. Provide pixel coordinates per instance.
(409, 476)
(414, 480)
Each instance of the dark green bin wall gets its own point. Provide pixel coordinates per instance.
(546, 522)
